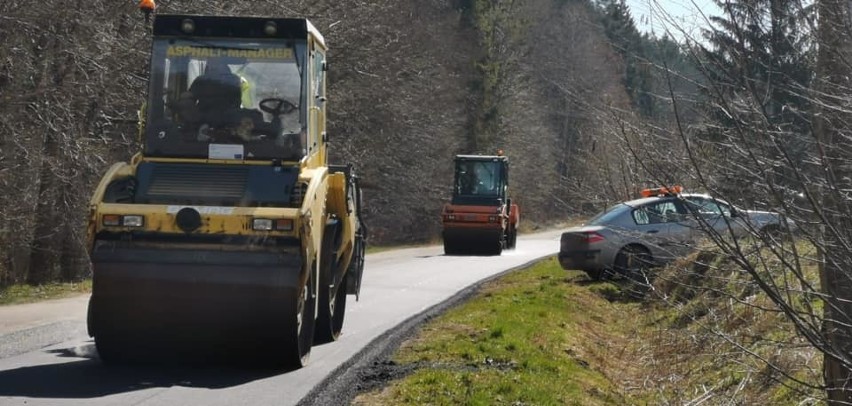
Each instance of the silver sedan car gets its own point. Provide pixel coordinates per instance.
(630, 237)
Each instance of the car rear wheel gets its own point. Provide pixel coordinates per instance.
(595, 275)
(773, 234)
(634, 263)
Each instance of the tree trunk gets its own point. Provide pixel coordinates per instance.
(45, 250)
(833, 70)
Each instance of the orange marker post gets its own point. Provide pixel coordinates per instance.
(147, 7)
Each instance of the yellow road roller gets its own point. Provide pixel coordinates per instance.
(229, 232)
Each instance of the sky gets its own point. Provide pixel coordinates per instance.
(656, 16)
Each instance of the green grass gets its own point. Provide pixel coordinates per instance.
(528, 338)
(546, 336)
(18, 294)
(712, 313)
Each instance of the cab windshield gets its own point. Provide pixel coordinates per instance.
(226, 99)
(479, 178)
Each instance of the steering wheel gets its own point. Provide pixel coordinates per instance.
(276, 106)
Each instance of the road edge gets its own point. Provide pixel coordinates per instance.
(344, 382)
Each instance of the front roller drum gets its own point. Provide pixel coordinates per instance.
(473, 241)
(246, 307)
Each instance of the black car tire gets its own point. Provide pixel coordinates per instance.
(634, 263)
(595, 275)
(773, 233)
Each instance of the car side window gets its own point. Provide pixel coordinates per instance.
(640, 216)
(657, 212)
(709, 206)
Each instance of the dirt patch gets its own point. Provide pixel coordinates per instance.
(379, 373)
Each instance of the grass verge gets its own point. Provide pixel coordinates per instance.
(531, 337)
(18, 294)
(542, 336)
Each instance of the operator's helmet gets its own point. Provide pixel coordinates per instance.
(217, 66)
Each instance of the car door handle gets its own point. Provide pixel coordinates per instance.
(652, 231)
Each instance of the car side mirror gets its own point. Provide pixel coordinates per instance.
(734, 212)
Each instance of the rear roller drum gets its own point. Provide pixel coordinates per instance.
(453, 245)
(332, 292)
(449, 249)
(512, 238)
(498, 247)
(330, 319)
(299, 329)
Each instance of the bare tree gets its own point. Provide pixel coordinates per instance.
(773, 139)
(832, 130)
(403, 100)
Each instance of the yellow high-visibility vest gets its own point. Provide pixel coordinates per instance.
(247, 93)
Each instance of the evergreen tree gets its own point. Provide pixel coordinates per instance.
(652, 65)
(759, 58)
(628, 42)
(762, 47)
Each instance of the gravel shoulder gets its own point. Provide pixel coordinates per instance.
(20, 317)
(28, 327)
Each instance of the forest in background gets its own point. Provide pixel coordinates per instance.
(534, 78)
(754, 110)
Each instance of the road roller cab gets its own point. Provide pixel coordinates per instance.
(229, 228)
(481, 218)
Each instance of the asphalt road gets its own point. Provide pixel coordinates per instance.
(47, 359)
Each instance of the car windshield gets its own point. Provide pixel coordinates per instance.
(226, 99)
(606, 216)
